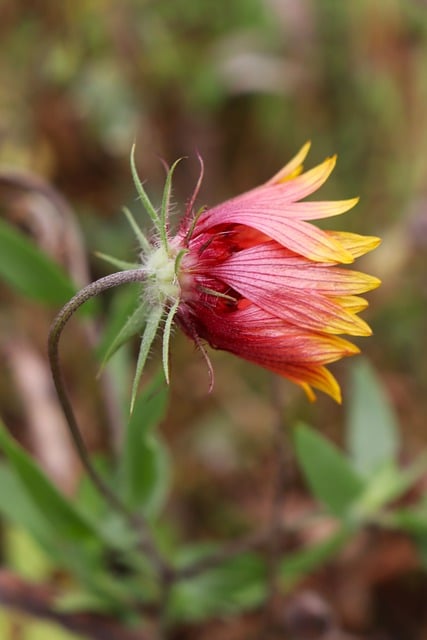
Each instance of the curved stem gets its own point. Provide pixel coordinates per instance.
(136, 521)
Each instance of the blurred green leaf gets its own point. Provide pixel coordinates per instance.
(59, 531)
(23, 554)
(20, 510)
(31, 628)
(372, 426)
(388, 483)
(413, 520)
(296, 566)
(237, 585)
(30, 271)
(330, 476)
(72, 601)
(52, 505)
(145, 464)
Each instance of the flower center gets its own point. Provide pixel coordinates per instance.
(162, 280)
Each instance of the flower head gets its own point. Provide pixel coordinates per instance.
(254, 277)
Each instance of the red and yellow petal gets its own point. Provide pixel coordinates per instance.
(354, 243)
(310, 181)
(259, 280)
(293, 168)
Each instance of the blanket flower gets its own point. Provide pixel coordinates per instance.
(253, 276)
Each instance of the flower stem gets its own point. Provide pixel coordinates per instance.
(136, 521)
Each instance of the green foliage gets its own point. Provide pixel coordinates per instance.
(64, 518)
(297, 565)
(236, 585)
(372, 430)
(31, 629)
(144, 464)
(88, 547)
(22, 511)
(30, 271)
(329, 474)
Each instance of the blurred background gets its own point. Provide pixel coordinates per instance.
(245, 83)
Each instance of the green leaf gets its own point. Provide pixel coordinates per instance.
(413, 520)
(23, 554)
(50, 503)
(329, 475)
(145, 464)
(63, 548)
(30, 271)
(237, 585)
(372, 425)
(68, 538)
(296, 566)
(20, 510)
(386, 484)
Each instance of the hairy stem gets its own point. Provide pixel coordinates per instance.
(136, 521)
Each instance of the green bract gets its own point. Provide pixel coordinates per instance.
(161, 294)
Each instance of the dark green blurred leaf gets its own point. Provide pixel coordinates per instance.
(145, 465)
(389, 483)
(30, 271)
(372, 426)
(296, 566)
(238, 585)
(23, 554)
(414, 521)
(16, 506)
(51, 504)
(68, 538)
(78, 601)
(329, 475)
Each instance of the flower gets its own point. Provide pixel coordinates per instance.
(260, 281)
(254, 277)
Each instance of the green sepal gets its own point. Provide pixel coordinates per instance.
(165, 203)
(153, 321)
(166, 338)
(145, 245)
(116, 262)
(142, 193)
(133, 325)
